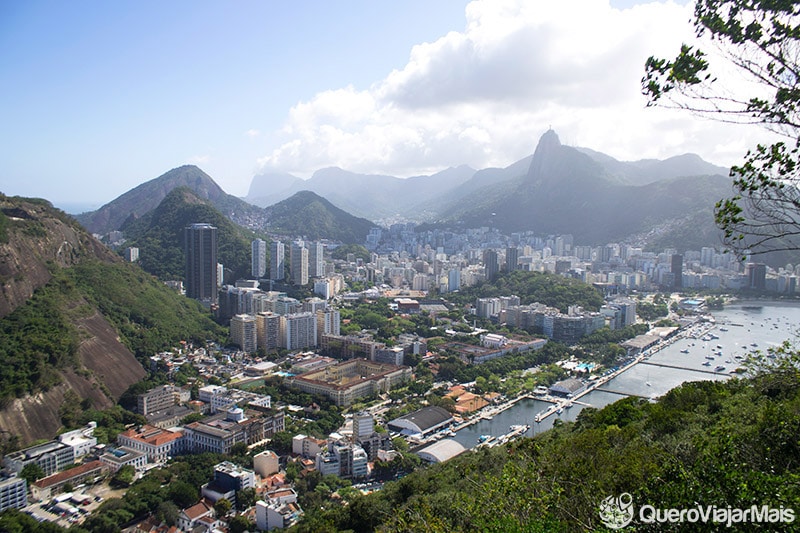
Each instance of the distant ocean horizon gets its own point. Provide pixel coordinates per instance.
(76, 208)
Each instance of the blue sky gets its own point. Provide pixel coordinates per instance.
(98, 97)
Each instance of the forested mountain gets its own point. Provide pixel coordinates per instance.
(159, 235)
(308, 215)
(574, 190)
(75, 317)
(565, 191)
(148, 195)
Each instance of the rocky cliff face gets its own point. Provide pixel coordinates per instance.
(35, 240)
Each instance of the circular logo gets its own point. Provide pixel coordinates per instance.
(617, 513)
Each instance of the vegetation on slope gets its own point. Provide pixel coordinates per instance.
(707, 443)
(148, 315)
(159, 235)
(313, 217)
(40, 337)
(37, 340)
(543, 287)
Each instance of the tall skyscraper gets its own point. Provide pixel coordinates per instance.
(756, 275)
(491, 264)
(454, 280)
(677, 270)
(512, 258)
(277, 257)
(258, 258)
(316, 260)
(200, 251)
(298, 266)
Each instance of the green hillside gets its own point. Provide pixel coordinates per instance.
(724, 444)
(76, 321)
(41, 337)
(313, 217)
(542, 287)
(146, 197)
(159, 236)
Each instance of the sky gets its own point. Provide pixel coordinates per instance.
(99, 97)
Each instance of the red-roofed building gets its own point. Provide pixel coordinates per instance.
(158, 444)
(192, 516)
(45, 488)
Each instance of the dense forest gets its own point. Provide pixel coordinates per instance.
(159, 236)
(40, 337)
(543, 287)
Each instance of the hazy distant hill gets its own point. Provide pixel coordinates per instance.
(308, 214)
(646, 171)
(366, 195)
(159, 236)
(566, 191)
(147, 196)
(449, 193)
(74, 318)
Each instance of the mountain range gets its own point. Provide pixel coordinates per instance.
(565, 190)
(557, 189)
(146, 197)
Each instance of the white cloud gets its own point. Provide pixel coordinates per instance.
(484, 96)
(252, 133)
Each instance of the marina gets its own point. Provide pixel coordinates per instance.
(652, 373)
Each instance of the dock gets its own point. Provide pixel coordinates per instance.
(662, 365)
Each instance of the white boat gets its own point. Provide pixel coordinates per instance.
(685, 350)
(719, 368)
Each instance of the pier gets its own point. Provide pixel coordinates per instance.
(662, 365)
(626, 394)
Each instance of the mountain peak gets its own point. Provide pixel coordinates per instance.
(547, 141)
(547, 149)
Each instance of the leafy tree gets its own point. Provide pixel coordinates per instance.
(124, 476)
(222, 506)
(183, 494)
(168, 513)
(240, 524)
(14, 521)
(31, 472)
(245, 498)
(762, 41)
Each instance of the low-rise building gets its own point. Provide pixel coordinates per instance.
(220, 432)
(117, 457)
(272, 515)
(307, 446)
(422, 421)
(567, 388)
(44, 489)
(441, 451)
(80, 440)
(228, 479)
(51, 456)
(191, 516)
(348, 381)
